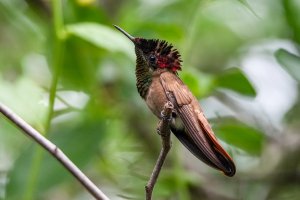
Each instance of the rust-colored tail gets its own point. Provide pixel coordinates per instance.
(211, 154)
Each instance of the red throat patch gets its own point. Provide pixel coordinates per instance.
(169, 62)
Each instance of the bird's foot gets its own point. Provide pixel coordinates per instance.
(166, 113)
(166, 117)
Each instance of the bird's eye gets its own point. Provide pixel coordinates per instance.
(152, 59)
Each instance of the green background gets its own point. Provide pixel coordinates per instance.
(67, 72)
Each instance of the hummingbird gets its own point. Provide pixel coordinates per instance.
(158, 82)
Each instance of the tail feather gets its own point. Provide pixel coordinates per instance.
(227, 165)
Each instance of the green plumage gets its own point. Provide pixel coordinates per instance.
(143, 76)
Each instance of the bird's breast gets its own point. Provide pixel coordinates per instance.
(156, 97)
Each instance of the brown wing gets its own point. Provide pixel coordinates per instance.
(196, 134)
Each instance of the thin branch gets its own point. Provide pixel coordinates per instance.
(163, 130)
(55, 151)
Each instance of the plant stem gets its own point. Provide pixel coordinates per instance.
(55, 151)
(57, 53)
(164, 130)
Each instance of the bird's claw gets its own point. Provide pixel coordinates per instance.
(166, 113)
(158, 131)
(165, 117)
(169, 105)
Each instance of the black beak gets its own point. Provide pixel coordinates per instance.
(126, 34)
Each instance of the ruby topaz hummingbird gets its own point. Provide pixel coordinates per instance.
(157, 63)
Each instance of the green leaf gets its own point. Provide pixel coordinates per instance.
(234, 79)
(293, 115)
(200, 84)
(25, 97)
(290, 62)
(240, 135)
(102, 37)
(292, 15)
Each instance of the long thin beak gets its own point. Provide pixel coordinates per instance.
(125, 33)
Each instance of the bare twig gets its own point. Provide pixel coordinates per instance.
(163, 130)
(55, 151)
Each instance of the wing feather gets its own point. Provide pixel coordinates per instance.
(197, 134)
(182, 97)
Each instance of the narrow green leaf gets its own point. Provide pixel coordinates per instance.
(293, 115)
(102, 37)
(292, 15)
(234, 79)
(240, 135)
(290, 62)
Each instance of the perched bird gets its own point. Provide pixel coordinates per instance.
(157, 63)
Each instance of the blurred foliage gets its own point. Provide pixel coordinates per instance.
(251, 140)
(290, 61)
(66, 71)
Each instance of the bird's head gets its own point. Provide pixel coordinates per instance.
(155, 53)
